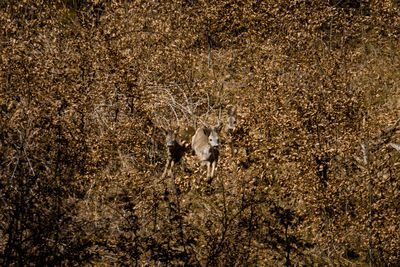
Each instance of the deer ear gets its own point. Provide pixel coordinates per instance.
(234, 111)
(206, 131)
(219, 126)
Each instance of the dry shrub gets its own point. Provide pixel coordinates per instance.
(86, 86)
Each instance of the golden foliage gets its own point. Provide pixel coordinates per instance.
(86, 86)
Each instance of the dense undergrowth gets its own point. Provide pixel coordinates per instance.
(87, 85)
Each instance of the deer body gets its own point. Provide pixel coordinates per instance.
(230, 128)
(176, 149)
(205, 144)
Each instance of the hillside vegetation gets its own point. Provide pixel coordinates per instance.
(86, 87)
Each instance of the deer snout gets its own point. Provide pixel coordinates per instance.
(170, 143)
(215, 145)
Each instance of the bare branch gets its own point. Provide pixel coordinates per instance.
(395, 146)
(365, 153)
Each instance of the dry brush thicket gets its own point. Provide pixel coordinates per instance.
(87, 86)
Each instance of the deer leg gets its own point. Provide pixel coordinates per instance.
(170, 168)
(208, 169)
(166, 168)
(210, 177)
(213, 168)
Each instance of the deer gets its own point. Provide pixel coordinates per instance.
(177, 147)
(230, 128)
(205, 145)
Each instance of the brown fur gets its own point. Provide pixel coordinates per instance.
(205, 145)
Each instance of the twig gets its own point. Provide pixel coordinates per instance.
(395, 146)
(385, 137)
